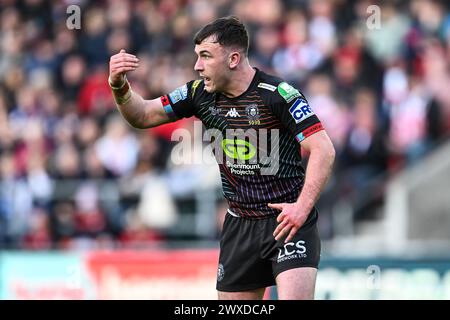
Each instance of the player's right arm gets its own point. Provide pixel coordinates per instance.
(137, 111)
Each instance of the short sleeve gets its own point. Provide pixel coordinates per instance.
(179, 103)
(295, 113)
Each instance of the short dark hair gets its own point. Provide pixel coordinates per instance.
(230, 31)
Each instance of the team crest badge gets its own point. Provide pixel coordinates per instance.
(252, 112)
(220, 272)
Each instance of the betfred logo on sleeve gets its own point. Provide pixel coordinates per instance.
(300, 110)
(288, 92)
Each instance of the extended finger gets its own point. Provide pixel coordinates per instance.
(124, 59)
(281, 217)
(122, 51)
(124, 69)
(124, 64)
(291, 234)
(278, 206)
(279, 228)
(283, 232)
(124, 54)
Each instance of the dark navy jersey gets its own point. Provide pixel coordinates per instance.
(255, 139)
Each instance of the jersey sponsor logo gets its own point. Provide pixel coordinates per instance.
(292, 250)
(214, 111)
(300, 110)
(238, 149)
(267, 86)
(212, 108)
(178, 94)
(288, 92)
(233, 113)
(243, 169)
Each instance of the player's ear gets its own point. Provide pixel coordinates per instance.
(233, 59)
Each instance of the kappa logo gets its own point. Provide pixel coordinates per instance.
(233, 113)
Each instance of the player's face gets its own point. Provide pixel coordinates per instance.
(212, 64)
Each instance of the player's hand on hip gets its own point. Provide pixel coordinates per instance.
(290, 220)
(119, 64)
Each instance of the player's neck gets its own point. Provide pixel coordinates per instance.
(241, 81)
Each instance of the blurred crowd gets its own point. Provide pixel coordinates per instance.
(73, 174)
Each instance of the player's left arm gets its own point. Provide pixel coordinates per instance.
(318, 171)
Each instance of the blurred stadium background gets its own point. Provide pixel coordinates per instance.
(93, 209)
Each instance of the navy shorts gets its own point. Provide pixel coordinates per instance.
(251, 258)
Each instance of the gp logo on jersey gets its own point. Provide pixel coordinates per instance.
(238, 149)
(179, 94)
(300, 110)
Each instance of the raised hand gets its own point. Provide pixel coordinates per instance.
(119, 65)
